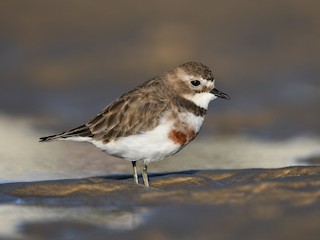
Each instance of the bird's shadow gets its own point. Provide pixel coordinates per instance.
(151, 175)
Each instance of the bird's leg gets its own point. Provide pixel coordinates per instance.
(145, 175)
(135, 173)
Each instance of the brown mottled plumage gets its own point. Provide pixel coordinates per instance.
(154, 120)
(150, 100)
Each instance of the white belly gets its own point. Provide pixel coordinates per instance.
(150, 146)
(153, 145)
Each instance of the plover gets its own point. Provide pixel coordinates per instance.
(152, 121)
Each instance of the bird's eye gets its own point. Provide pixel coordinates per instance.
(195, 82)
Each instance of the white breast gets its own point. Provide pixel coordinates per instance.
(193, 122)
(150, 146)
(153, 145)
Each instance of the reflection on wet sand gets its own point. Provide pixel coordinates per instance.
(111, 218)
(265, 198)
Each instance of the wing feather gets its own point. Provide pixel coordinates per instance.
(133, 113)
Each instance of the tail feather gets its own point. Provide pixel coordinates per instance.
(82, 131)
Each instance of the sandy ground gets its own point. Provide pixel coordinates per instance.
(228, 198)
(228, 204)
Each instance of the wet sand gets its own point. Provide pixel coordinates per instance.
(257, 199)
(200, 204)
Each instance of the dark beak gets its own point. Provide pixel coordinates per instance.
(219, 94)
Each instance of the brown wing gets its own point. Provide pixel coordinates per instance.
(81, 131)
(133, 113)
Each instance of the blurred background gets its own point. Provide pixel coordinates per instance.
(62, 62)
